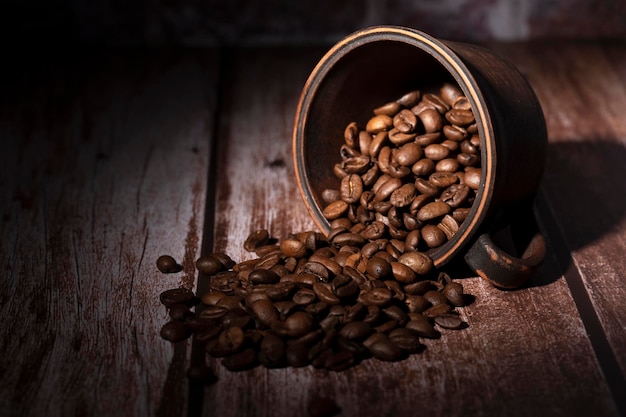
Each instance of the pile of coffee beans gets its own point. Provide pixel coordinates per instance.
(411, 173)
(311, 300)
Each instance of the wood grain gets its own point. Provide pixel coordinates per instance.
(582, 90)
(525, 352)
(105, 170)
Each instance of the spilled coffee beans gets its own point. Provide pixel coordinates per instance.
(308, 300)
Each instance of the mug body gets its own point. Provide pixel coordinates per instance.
(376, 65)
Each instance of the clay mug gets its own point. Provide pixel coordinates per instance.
(378, 64)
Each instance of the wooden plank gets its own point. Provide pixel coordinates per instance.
(582, 90)
(103, 169)
(525, 352)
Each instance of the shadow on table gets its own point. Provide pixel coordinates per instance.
(582, 197)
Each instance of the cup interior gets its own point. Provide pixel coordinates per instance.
(356, 76)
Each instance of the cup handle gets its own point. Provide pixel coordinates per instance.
(497, 265)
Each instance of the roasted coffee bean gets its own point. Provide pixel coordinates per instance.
(324, 293)
(405, 121)
(419, 262)
(403, 196)
(263, 276)
(437, 310)
(351, 188)
(180, 312)
(167, 264)
(335, 210)
(433, 236)
(416, 303)
(388, 109)
(472, 178)
(378, 268)
(379, 123)
(178, 296)
(433, 210)
(175, 331)
(460, 117)
(405, 339)
(436, 152)
(422, 327)
(450, 321)
(356, 330)
(453, 291)
(256, 239)
(423, 167)
(449, 93)
(385, 350)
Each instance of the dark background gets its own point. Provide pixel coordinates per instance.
(208, 22)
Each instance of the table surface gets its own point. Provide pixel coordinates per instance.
(111, 158)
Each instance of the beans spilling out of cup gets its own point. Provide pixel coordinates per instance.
(312, 300)
(410, 174)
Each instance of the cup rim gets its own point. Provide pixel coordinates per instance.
(453, 64)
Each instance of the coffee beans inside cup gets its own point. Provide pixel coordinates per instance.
(410, 172)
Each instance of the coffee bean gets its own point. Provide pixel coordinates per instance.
(406, 339)
(379, 123)
(433, 210)
(449, 321)
(433, 236)
(167, 264)
(175, 331)
(265, 312)
(419, 262)
(178, 296)
(180, 312)
(385, 350)
(356, 330)
(351, 188)
(263, 276)
(422, 327)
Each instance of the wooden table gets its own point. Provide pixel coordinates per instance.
(111, 158)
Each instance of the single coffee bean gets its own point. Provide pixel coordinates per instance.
(378, 268)
(324, 293)
(175, 331)
(416, 303)
(408, 154)
(472, 178)
(356, 330)
(231, 340)
(443, 179)
(256, 239)
(405, 121)
(449, 93)
(379, 123)
(406, 340)
(410, 99)
(350, 134)
(179, 312)
(422, 327)
(178, 296)
(298, 324)
(433, 236)
(436, 152)
(423, 167)
(453, 291)
(455, 133)
(389, 109)
(433, 210)
(293, 248)
(419, 262)
(403, 196)
(431, 120)
(351, 188)
(167, 264)
(335, 210)
(265, 312)
(460, 117)
(437, 310)
(385, 350)
(263, 276)
(449, 321)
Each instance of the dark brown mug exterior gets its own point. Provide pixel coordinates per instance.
(378, 64)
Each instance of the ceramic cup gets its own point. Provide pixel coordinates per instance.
(379, 64)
